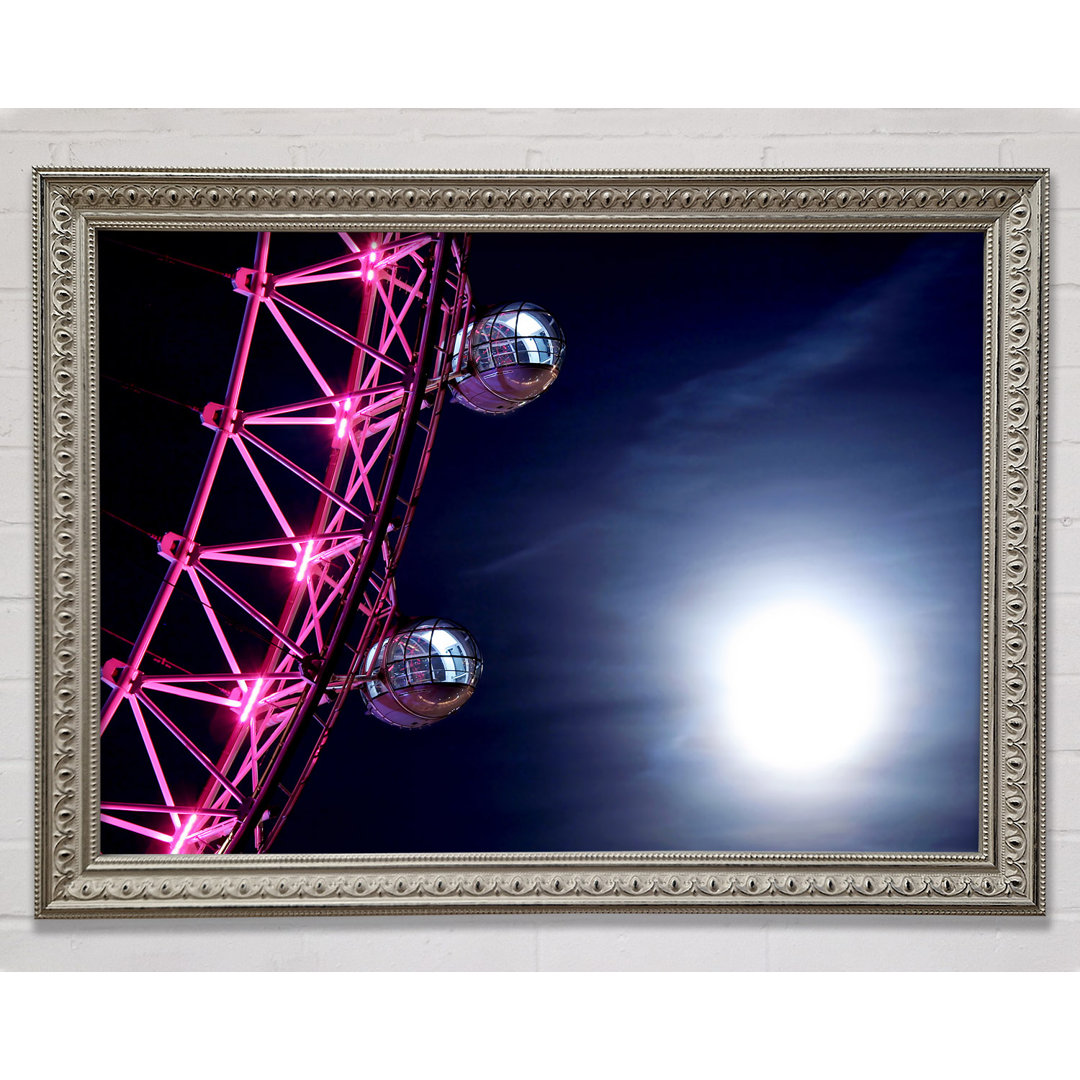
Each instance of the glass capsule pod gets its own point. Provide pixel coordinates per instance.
(424, 671)
(508, 357)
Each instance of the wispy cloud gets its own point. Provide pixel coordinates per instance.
(542, 546)
(659, 458)
(844, 335)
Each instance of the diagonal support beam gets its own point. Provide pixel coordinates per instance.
(251, 610)
(304, 475)
(352, 339)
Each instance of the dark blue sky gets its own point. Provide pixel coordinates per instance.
(741, 417)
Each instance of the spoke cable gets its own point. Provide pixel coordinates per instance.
(152, 393)
(167, 258)
(152, 655)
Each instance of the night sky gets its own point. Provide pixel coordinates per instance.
(741, 419)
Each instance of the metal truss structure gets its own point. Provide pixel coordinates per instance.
(229, 733)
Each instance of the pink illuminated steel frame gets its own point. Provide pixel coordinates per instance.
(328, 590)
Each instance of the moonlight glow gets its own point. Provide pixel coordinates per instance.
(801, 687)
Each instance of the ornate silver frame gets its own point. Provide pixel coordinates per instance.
(1006, 876)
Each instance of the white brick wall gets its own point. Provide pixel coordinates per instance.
(538, 139)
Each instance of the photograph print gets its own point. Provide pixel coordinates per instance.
(540, 541)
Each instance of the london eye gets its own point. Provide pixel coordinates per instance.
(277, 602)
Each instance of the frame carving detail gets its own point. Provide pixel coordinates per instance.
(1006, 876)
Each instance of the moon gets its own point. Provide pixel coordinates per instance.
(800, 687)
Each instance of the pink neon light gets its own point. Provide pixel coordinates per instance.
(182, 838)
(252, 701)
(263, 702)
(301, 570)
(343, 423)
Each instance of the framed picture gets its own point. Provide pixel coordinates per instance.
(531, 541)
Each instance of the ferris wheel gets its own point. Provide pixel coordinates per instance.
(264, 623)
